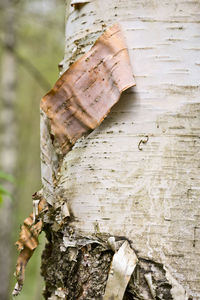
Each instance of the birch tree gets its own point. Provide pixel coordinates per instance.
(122, 216)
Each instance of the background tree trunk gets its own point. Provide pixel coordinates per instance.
(8, 151)
(135, 177)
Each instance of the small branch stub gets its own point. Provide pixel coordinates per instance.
(76, 3)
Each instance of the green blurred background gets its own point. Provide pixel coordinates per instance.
(39, 47)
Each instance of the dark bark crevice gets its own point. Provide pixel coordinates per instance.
(78, 272)
(139, 289)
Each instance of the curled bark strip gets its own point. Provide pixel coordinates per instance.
(22, 261)
(123, 264)
(148, 279)
(27, 243)
(83, 96)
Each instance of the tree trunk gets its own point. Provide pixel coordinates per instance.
(8, 152)
(135, 177)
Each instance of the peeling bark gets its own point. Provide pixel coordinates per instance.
(85, 93)
(122, 266)
(28, 242)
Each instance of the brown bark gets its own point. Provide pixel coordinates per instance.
(85, 93)
(76, 272)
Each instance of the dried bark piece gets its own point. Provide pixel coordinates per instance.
(123, 264)
(83, 96)
(27, 243)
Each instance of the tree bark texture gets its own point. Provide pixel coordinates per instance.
(135, 177)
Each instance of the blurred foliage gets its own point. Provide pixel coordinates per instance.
(5, 178)
(40, 42)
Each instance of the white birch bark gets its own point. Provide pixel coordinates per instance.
(137, 175)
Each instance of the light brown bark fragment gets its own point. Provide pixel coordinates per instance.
(83, 96)
(27, 243)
